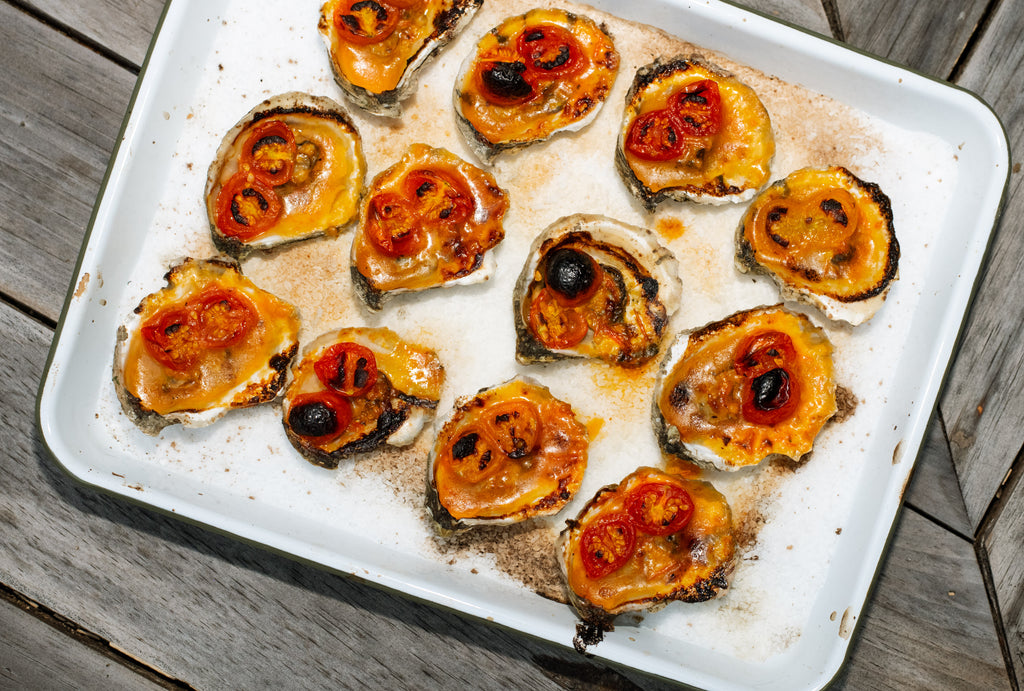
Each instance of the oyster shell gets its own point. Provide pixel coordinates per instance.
(292, 169)
(356, 389)
(378, 48)
(533, 76)
(653, 538)
(691, 131)
(594, 287)
(509, 453)
(428, 221)
(754, 385)
(826, 238)
(208, 342)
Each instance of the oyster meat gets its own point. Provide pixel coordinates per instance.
(208, 342)
(377, 47)
(756, 384)
(653, 538)
(290, 170)
(357, 389)
(594, 287)
(532, 76)
(693, 132)
(826, 238)
(430, 220)
(509, 453)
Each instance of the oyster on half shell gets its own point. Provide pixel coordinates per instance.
(691, 131)
(509, 453)
(357, 389)
(826, 238)
(594, 287)
(431, 220)
(208, 342)
(378, 48)
(653, 538)
(533, 76)
(292, 169)
(754, 385)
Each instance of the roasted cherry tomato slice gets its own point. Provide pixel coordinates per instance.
(247, 208)
(319, 417)
(698, 105)
(514, 427)
(572, 276)
(553, 325)
(764, 351)
(549, 52)
(364, 22)
(504, 82)
(771, 394)
(348, 368)
(170, 337)
(225, 317)
(269, 152)
(656, 135)
(606, 545)
(474, 456)
(437, 197)
(659, 508)
(393, 227)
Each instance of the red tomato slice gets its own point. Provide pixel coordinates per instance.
(170, 337)
(550, 52)
(225, 317)
(553, 325)
(656, 136)
(393, 227)
(698, 105)
(659, 508)
(319, 417)
(473, 457)
(606, 545)
(514, 427)
(247, 208)
(437, 197)
(348, 368)
(771, 393)
(269, 152)
(364, 22)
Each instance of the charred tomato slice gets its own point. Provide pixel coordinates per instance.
(349, 369)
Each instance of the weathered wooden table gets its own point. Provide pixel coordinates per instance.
(98, 592)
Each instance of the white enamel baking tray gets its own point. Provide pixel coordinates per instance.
(787, 620)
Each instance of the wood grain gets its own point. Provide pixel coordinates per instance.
(62, 109)
(39, 656)
(983, 404)
(123, 27)
(925, 36)
(1003, 540)
(929, 605)
(933, 489)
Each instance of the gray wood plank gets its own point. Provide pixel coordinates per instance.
(927, 624)
(122, 26)
(982, 402)
(62, 109)
(35, 655)
(926, 36)
(1003, 540)
(933, 489)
